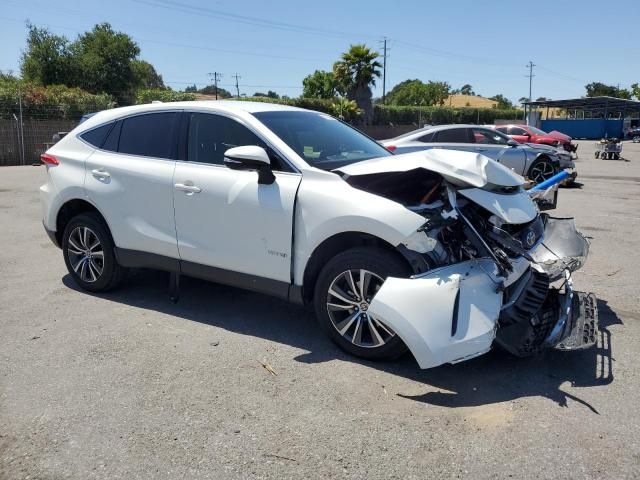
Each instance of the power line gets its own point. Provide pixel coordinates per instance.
(531, 75)
(236, 76)
(216, 78)
(384, 69)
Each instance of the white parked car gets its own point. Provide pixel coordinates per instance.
(437, 251)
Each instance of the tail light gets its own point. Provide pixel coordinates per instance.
(49, 159)
(391, 148)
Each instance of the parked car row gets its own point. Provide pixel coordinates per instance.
(538, 162)
(529, 134)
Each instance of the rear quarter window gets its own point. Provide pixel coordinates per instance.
(96, 136)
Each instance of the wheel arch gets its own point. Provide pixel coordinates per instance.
(69, 210)
(334, 245)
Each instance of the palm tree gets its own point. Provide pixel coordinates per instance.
(354, 75)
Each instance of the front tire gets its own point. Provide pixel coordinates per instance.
(89, 255)
(344, 289)
(541, 169)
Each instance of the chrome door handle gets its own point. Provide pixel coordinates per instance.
(100, 172)
(187, 188)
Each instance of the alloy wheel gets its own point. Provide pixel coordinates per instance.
(348, 300)
(542, 171)
(85, 254)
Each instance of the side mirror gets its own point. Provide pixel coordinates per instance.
(251, 157)
(512, 143)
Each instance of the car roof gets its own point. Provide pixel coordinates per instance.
(433, 128)
(228, 106)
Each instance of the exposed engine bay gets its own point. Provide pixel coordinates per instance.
(489, 268)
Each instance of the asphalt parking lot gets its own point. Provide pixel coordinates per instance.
(128, 385)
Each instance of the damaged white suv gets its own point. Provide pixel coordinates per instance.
(441, 252)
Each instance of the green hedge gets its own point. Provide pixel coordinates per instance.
(409, 115)
(54, 101)
(148, 95)
(387, 114)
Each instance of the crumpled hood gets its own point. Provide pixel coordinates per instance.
(458, 167)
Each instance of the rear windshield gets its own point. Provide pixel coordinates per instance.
(321, 140)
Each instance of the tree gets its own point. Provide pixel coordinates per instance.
(542, 99)
(320, 84)
(103, 60)
(503, 102)
(523, 100)
(46, 60)
(146, 75)
(269, 94)
(98, 61)
(344, 109)
(635, 90)
(467, 89)
(191, 89)
(354, 74)
(597, 89)
(416, 92)
(211, 90)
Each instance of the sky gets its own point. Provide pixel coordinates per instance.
(274, 45)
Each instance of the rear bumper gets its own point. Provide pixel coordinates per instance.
(52, 235)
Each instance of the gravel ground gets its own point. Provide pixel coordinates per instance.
(127, 385)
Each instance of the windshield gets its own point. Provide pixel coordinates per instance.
(537, 131)
(321, 140)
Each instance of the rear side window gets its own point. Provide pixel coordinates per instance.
(111, 142)
(452, 135)
(150, 135)
(96, 136)
(427, 138)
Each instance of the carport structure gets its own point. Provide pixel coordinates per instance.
(589, 117)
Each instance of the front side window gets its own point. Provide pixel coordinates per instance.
(488, 137)
(210, 136)
(150, 135)
(517, 131)
(321, 140)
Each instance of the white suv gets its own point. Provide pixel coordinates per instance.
(429, 250)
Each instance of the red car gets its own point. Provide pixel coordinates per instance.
(529, 134)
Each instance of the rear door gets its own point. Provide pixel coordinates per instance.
(129, 179)
(227, 220)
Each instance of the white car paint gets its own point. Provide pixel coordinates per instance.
(460, 168)
(229, 221)
(421, 311)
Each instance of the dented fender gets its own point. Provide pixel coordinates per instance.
(445, 315)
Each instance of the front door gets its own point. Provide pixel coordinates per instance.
(224, 218)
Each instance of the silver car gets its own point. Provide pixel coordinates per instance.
(533, 163)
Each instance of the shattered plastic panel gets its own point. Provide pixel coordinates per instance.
(564, 247)
(444, 316)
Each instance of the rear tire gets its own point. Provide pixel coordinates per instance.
(89, 253)
(355, 276)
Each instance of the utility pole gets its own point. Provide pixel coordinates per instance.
(237, 77)
(215, 76)
(531, 75)
(384, 69)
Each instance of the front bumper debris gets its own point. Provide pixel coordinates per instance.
(563, 247)
(443, 316)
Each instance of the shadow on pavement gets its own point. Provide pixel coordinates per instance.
(491, 378)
